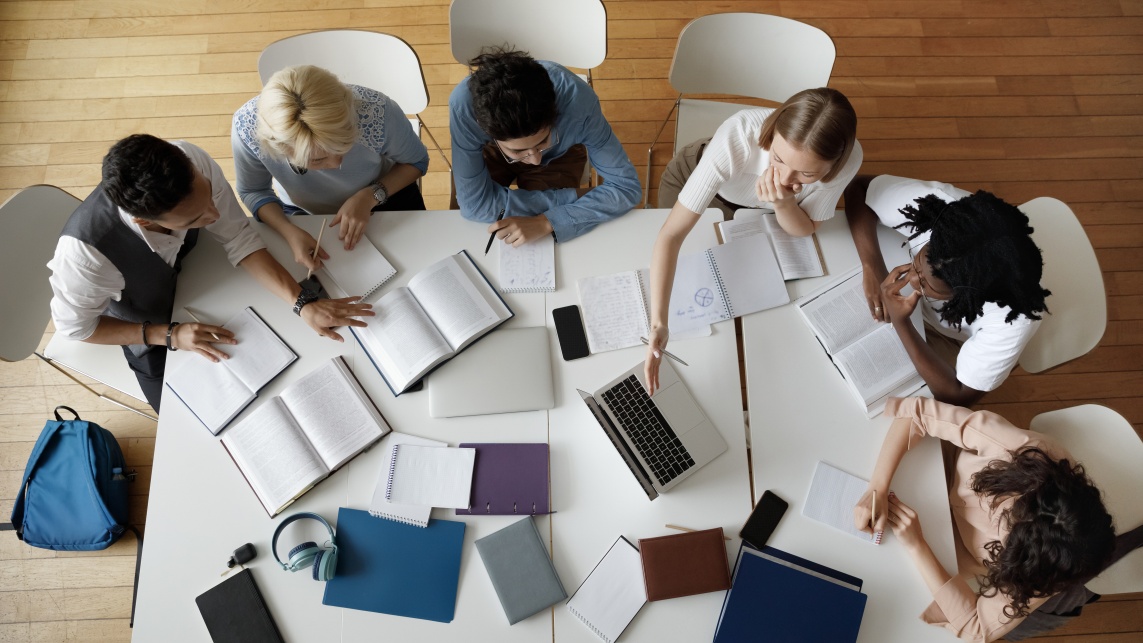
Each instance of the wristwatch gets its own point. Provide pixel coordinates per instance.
(380, 194)
(307, 296)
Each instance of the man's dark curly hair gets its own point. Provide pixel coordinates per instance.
(512, 94)
(982, 248)
(147, 176)
(1059, 531)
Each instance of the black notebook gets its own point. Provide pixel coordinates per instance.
(234, 612)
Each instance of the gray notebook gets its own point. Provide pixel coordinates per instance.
(522, 574)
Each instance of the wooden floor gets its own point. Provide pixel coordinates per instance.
(1025, 98)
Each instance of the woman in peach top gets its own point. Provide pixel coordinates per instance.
(1030, 523)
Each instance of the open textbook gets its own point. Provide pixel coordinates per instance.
(445, 307)
(359, 272)
(216, 392)
(720, 283)
(296, 439)
(798, 257)
(867, 353)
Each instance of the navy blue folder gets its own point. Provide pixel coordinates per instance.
(786, 600)
(393, 568)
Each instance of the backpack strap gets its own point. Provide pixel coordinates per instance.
(138, 560)
(49, 432)
(56, 412)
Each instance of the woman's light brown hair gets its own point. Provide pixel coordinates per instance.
(819, 120)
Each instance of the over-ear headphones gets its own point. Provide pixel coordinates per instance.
(308, 554)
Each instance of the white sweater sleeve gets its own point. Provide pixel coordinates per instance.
(725, 156)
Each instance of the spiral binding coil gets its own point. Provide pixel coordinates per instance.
(589, 625)
(721, 285)
(400, 519)
(392, 470)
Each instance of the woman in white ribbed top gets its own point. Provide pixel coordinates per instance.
(794, 160)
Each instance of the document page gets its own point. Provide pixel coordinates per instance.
(613, 313)
(613, 593)
(876, 364)
(797, 256)
(260, 354)
(453, 301)
(361, 271)
(530, 267)
(431, 476)
(272, 453)
(334, 413)
(839, 314)
(210, 390)
(402, 338)
(696, 298)
(831, 498)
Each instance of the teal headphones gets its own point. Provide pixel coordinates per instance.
(308, 554)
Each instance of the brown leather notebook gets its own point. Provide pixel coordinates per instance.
(684, 564)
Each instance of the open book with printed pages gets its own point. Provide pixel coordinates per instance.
(359, 272)
(297, 439)
(868, 353)
(798, 257)
(417, 327)
(216, 392)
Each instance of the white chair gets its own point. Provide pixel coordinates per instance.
(572, 33)
(32, 220)
(746, 54)
(1078, 302)
(376, 60)
(1112, 454)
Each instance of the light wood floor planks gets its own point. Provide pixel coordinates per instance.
(1022, 97)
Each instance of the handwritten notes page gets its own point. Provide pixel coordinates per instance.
(614, 310)
(530, 267)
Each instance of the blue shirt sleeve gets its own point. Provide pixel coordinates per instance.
(386, 131)
(254, 181)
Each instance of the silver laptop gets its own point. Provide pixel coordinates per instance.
(663, 438)
(508, 370)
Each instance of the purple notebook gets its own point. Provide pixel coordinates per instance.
(508, 479)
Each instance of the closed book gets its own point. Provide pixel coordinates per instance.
(510, 478)
(684, 564)
(522, 574)
(779, 598)
(393, 568)
(234, 612)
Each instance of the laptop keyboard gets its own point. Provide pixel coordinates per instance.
(648, 430)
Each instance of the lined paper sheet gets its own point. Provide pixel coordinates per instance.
(361, 271)
(833, 494)
(613, 593)
(613, 311)
(530, 267)
(431, 476)
(379, 506)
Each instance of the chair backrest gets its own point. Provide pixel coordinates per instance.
(376, 60)
(1078, 302)
(1110, 451)
(31, 222)
(572, 33)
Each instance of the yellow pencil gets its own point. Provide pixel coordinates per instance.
(689, 529)
(873, 516)
(317, 249)
(195, 317)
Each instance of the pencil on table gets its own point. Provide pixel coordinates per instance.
(680, 528)
(317, 249)
(195, 317)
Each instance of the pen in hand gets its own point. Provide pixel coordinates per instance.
(492, 236)
(317, 249)
(665, 352)
(197, 320)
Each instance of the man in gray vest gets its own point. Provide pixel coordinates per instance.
(118, 257)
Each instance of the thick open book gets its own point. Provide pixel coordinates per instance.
(359, 272)
(798, 257)
(217, 392)
(867, 353)
(296, 439)
(445, 307)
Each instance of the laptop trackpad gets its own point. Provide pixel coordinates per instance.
(680, 409)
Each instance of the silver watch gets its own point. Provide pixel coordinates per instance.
(380, 194)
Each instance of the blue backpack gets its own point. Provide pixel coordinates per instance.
(74, 493)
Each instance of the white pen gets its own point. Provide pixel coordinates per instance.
(665, 352)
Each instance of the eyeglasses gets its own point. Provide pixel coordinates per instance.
(553, 140)
(921, 276)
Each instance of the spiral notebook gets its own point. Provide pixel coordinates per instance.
(530, 267)
(510, 478)
(361, 271)
(380, 506)
(833, 494)
(613, 592)
(432, 476)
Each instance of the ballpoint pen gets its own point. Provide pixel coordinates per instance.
(492, 236)
(665, 352)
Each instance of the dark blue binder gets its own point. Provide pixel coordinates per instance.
(781, 601)
(393, 568)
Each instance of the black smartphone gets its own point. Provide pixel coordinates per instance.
(763, 519)
(569, 330)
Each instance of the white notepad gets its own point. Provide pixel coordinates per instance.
(798, 257)
(613, 593)
(431, 476)
(380, 506)
(530, 267)
(833, 494)
(361, 271)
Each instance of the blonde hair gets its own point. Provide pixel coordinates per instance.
(303, 110)
(819, 120)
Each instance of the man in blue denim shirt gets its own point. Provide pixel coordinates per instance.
(518, 119)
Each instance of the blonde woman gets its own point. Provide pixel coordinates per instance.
(794, 161)
(331, 148)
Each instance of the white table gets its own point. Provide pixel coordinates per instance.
(200, 508)
(594, 493)
(800, 413)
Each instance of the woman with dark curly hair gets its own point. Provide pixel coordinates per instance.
(975, 272)
(1031, 528)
